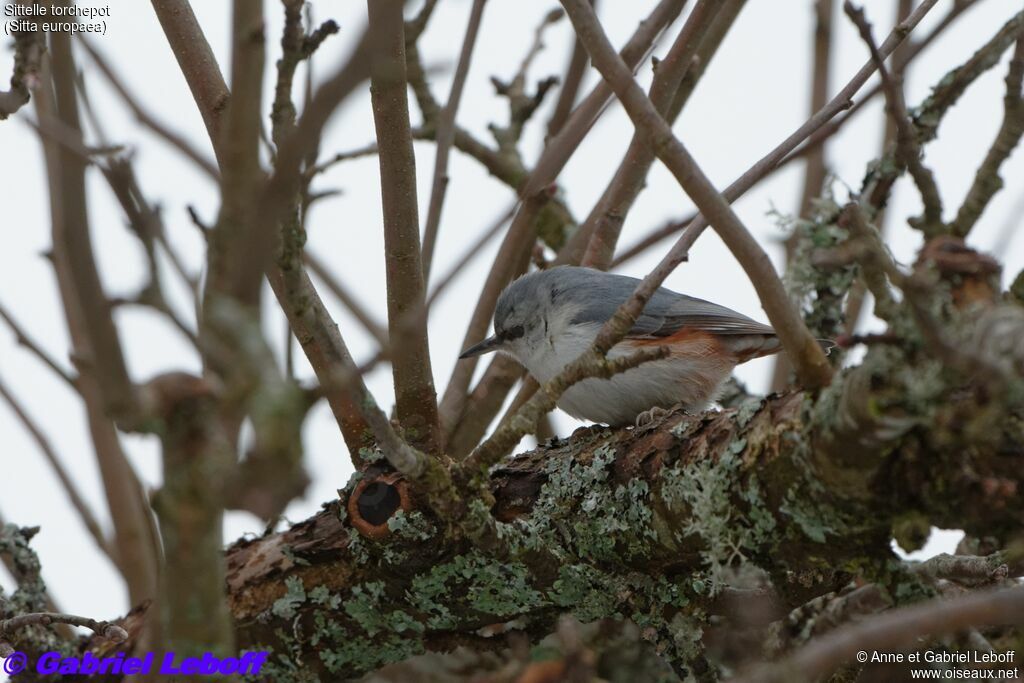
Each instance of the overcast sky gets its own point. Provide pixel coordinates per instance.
(753, 95)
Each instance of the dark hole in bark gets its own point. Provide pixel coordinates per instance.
(378, 502)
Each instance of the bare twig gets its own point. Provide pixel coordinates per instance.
(592, 363)
(675, 79)
(785, 149)
(471, 252)
(229, 277)
(891, 631)
(987, 180)
(812, 368)
(445, 136)
(144, 117)
(858, 291)
(347, 299)
(23, 339)
(77, 502)
(103, 629)
(134, 535)
(908, 149)
(197, 62)
(570, 86)
(106, 360)
(814, 132)
(364, 151)
(280, 204)
(514, 253)
(815, 169)
(419, 315)
(29, 47)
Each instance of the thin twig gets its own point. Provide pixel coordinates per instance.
(419, 315)
(103, 629)
(891, 631)
(858, 290)
(196, 61)
(908, 149)
(987, 180)
(514, 253)
(68, 484)
(570, 85)
(809, 362)
(135, 537)
(693, 49)
(592, 363)
(358, 153)
(445, 136)
(841, 101)
(820, 132)
(24, 340)
(815, 169)
(144, 117)
(347, 299)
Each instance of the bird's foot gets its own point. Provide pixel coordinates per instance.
(648, 416)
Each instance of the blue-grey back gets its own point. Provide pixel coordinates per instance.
(595, 295)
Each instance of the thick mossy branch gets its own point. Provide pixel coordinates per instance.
(645, 524)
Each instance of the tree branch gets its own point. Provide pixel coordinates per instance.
(29, 48)
(513, 255)
(46, 359)
(134, 534)
(144, 117)
(987, 181)
(106, 360)
(347, 299)
(908, 150)
(445, 136)
(66, 482)
(675, 79)
(415, 399)
(813, 132)
(808, 360)
(893, 631)
(197, 63)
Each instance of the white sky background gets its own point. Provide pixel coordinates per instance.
(753, 95)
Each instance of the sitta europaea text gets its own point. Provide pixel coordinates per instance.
(546, 319)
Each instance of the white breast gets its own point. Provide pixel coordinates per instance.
(692, 381)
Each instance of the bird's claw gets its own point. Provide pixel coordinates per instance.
(648, 416)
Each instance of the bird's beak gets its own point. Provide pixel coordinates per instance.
(486, 346)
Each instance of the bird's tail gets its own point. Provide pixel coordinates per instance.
(750, 346)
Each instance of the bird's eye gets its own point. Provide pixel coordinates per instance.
(513, 332)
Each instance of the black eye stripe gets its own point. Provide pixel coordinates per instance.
(513, 332)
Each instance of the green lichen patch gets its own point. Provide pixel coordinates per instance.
(287, 605)
(616, 520)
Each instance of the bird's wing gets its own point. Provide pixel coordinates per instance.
(669, 313)
(666, 313)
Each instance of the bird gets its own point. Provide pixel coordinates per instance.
(547, 318)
